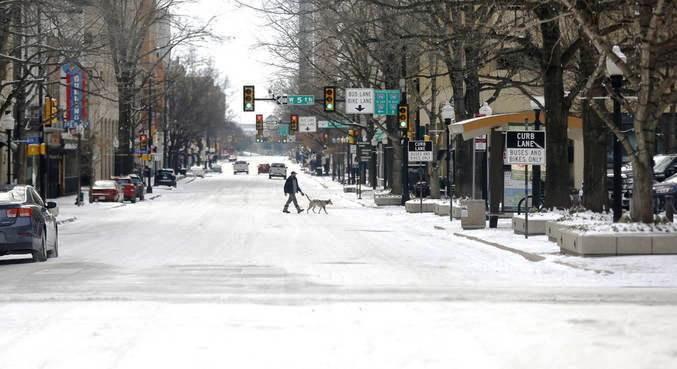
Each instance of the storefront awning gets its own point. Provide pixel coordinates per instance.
(479, 126)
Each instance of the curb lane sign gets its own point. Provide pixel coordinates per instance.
(359, 101)
(307, 124)
(420, 151)
(525, 147)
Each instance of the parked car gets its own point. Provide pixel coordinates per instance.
(105, 190)
(27, 224)
(217, 168)
(197, 171)
(128, 188)
(278, 170)
(165, 177)
(663, 189)
(241, 167)
(263, 168)
(140, 186)
(232, 158)
(664, 166)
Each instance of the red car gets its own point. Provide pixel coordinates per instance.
(263, 168)
(140, 187)
(128, 188)
(105, 191)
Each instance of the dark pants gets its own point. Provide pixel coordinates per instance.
(292, 197)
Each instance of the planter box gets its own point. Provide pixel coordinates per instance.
(441, 209)
(575, 242)
(349, 189)
(456, 212)
(473, 214)
(387, 200)
(536, 225)
(415, 207)
(553, 229)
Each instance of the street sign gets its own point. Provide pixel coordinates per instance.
(364, 150)
(420, 151)
(307, 124)
(283, 130)
(525, 147)
(386, 102)
(328, 124)
(300, 100)
(359, 101)
(481, 143)
(282, 100)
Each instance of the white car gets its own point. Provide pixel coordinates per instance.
(241, 167)
(197, 171)
(277, 170)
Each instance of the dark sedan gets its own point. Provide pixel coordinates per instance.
(664, 189)
(165, 177)
(27, 224)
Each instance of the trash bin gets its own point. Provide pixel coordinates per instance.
(473, 214)
(318, 171)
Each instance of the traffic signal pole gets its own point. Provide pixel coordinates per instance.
(149, 141)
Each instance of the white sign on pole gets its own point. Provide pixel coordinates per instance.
(359, 101)
(481, 143)
(420, 151)
(307, 124)
(525, 147)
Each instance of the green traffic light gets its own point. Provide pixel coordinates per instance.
(330, 106)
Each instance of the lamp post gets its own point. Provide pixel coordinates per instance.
(616, 76)
(536, 173)
(448, 116)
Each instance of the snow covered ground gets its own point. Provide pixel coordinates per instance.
(212, 274)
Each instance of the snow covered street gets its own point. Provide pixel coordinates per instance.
(212, 275)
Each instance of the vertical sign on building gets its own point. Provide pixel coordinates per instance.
(75, 112)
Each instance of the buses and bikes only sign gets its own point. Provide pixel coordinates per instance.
(525, 147)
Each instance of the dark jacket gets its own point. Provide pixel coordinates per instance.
(289, 185)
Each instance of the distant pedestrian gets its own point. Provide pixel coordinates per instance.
(291, 187)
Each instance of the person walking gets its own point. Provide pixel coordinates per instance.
(291, 187)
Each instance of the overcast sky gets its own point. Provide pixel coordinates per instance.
(236, 56)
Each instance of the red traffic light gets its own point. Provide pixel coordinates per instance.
(143, 138)
(293, 123)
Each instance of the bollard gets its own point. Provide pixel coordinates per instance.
(669, 208)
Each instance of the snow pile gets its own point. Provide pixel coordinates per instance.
(626, 228)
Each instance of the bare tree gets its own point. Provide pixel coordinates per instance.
(647, 34)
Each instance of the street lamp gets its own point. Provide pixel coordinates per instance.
(448, 116)
(616, 75)
(536, 106)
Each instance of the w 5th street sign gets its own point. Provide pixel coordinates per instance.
(525, 147)
(300, 100)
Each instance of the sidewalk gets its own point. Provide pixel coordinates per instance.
(631, 270)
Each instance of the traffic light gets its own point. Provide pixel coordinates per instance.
(143, 138)
(50, 111)
(293, 124)
(330, 99)
(403, 117)
(248, 97)
(259, 122)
